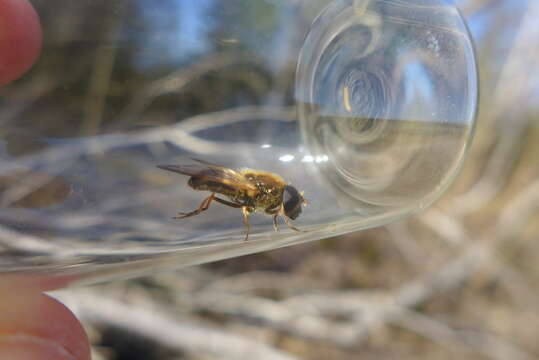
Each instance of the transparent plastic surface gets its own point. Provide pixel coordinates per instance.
(366, 106)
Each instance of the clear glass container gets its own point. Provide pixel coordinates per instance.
(366, 106)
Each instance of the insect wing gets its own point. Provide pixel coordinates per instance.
(212, 172)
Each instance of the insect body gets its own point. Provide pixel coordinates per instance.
(250, 190)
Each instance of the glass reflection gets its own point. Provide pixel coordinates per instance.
(354, 102)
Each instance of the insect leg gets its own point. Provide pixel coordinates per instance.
(287, 221)
(203, 206)
(245, 212)
(290, 225)
(275, 225)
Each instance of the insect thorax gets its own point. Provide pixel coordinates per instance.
(269, 195)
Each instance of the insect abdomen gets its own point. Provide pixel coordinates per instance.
(203, 184)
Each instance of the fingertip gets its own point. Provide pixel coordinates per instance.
(24, 347)
(20, 39)
(34, 323)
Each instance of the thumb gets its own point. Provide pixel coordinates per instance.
(36, 326)
(20, 38)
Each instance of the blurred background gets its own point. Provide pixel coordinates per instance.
(456, 281)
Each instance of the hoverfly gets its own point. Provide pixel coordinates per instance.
(250, 190)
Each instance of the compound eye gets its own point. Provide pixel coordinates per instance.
(292, 201)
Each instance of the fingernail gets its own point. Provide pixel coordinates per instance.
(28, 347)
